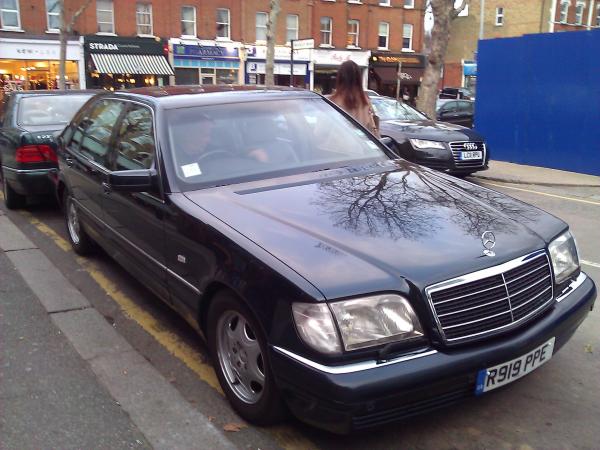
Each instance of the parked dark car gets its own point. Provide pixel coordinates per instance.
(28, 122)
(325, 274)
(457, 93)
(442, 146)
(458, 112)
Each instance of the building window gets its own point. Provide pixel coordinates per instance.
(598, 16)
(143, 19)
(188, 21)
(261, 26)
(105, 16)
(564, 11)
(53, 14)
(291, 27)
(10, 18)
(407, 37)
(223, 24)
(353, 33)
(579, 13)
(326, 28)
(499, 16)
(384, 34)
(384, 3)
(409, 3)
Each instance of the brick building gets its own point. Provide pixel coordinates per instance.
(124, 43)
(510, 18)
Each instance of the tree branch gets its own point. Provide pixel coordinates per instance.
(460, 9)
(77, 14)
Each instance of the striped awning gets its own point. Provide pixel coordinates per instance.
(132, 64)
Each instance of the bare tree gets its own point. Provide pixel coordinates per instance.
(444, 12)
(274, 8)
(65, 29)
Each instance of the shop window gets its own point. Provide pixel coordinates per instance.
(326, 29)
(186, 76)
(261, 26)
(384, 34)
(564, 11)
(188, 21)
(499, 16)
(10, 19)
(291, 27)
(407, 37)
(579, 13)
(223, 23)
(598, 16)
(143, 19)
(409, 3)
(53, 14)
(135, 142)
(353, 33)
(105, 16)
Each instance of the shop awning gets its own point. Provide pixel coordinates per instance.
(132, 64)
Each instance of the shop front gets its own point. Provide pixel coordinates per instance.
(470, 75)
(327, 62)
(383, 74)
(31, 64)
(205, 62)
(256, 62)
(121, 63)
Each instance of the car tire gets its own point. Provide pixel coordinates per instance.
(12, 199)
(81, 242)
(239, 353)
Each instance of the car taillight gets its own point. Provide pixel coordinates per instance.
(35, 153)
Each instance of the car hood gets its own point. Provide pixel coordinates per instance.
(380, 227)
(427, 129)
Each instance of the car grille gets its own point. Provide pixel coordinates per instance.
(485, 302)
(459, 147)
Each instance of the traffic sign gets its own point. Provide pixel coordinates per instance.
(302, 44)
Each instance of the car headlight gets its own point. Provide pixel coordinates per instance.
(375, 320)
(563, 254)
(316, 328)
(421, 143)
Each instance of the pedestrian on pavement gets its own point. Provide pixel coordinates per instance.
(351, 97)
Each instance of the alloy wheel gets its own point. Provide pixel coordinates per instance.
(73, 222)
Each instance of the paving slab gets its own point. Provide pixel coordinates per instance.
(11, 237)
(46, 281)
(508, 172)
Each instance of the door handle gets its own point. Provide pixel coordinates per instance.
(69, 162)
(106, 187)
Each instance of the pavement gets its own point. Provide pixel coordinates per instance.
(68, 379)
(508, 172)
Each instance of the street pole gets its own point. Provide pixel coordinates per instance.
(481, 14)
(398, 76)
(292, 63)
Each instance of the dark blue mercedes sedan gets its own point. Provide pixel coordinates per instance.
(329, 278)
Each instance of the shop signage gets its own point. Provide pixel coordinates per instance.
(135, 46)
(281, 53)
(278, 68)
(36, 49)
(205, 52)
(337, 57)
(412, 60)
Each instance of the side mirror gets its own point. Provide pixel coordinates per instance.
(141, 180)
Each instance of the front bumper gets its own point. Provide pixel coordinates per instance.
(444, 160)
(361, 395)
(30, 181)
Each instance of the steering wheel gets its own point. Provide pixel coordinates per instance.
(212, 153)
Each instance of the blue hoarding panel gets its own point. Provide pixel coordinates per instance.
(538, 99)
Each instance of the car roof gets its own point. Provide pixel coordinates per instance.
(169, 97)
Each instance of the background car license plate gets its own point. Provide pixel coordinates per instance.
(470, 155)
(494, 377)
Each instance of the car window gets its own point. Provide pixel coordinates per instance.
(466, 107)
(449, 107)
(390, 109)
(97, 129)
(135, 141)
(223, 144)
(49, 109)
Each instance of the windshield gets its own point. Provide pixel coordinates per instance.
(223, 144)
(390, 109)
(49, 109)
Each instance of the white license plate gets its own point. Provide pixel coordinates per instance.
(471, 155)
(494, 377)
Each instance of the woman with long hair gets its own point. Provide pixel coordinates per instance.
(350, 96)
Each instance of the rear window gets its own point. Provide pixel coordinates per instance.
(49, 109)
